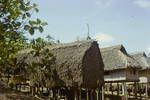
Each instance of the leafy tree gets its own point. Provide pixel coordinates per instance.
(15, 21)
(41, 67)
(46, 60)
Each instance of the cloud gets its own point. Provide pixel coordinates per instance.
(103, 38)
(143, 3)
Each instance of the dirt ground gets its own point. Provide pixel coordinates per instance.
(113, 97)
(8, 94)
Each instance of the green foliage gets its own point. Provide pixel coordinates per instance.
(41, 71)
(40, 68)
(38, 44)
(15, 21)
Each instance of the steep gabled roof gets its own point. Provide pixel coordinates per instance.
(116, 57)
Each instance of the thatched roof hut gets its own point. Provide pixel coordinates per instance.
(119, 65)
(143, 61)
(77, 63)
(116, 57)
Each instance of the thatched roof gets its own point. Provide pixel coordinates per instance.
(77, 63)
(142, 59)
(116, 57)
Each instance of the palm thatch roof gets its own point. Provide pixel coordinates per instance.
(116, 57)
(78, 63)
(142, 59)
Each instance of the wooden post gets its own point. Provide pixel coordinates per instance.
(107, 87)
(146, 91)
(111, 88)
(135, 90)
(54, 93)
(97, 94)
(87, 94)
(140, 88)
(75, 95)
(33, 90)
(80, 97)
(97, 98)
(91, 94)
(129, 92)
(117, 89)
(124, 91)
(103, 92)
(36, 90)
(58, 93)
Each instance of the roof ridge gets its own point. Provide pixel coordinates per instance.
(119, 46)
(141, 53)
(76, 43)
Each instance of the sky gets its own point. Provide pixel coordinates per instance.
(111, 22)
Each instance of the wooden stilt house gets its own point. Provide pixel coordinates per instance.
(119, 68)
(144, 75)
(77, 65)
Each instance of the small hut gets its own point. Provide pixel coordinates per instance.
(77, 64)
(144, 75)
(119, 67)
